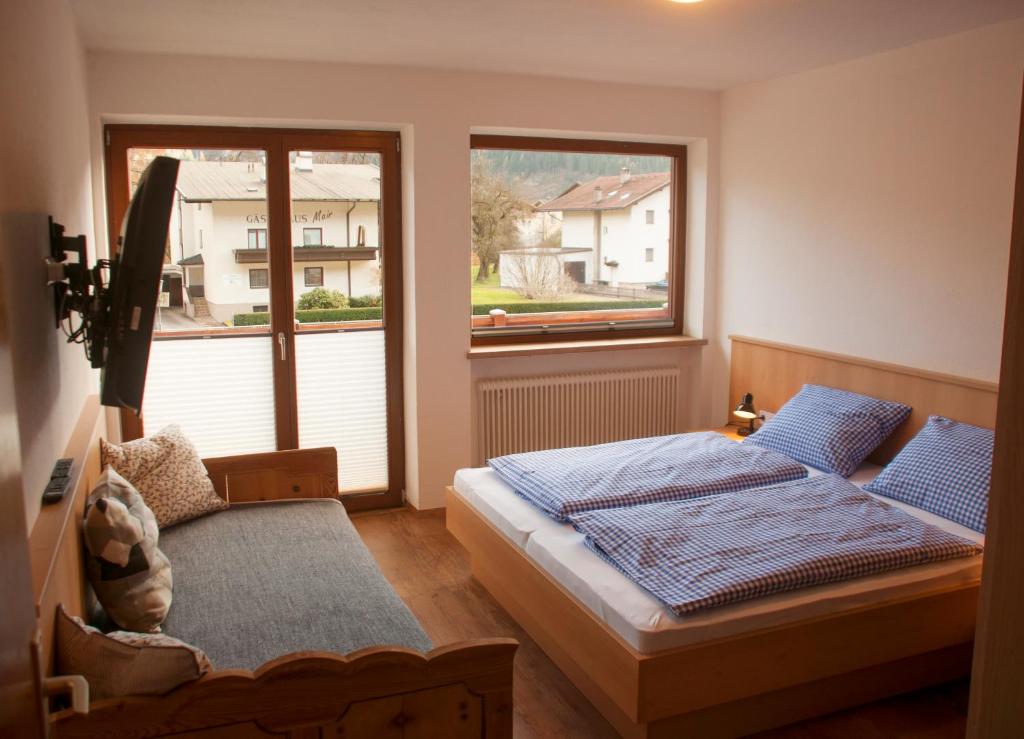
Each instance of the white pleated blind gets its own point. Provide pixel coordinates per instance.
(219, 390)
(342, 403)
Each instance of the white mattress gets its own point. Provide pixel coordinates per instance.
(647, 625)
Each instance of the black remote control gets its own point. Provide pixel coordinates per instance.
(60, 479)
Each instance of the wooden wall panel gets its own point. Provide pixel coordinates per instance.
(775, 372)
(56, 540)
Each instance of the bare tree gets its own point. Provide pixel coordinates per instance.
(496, 213)
(537, 274)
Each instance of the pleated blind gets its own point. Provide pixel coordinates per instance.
(342, 403)
(219, 390)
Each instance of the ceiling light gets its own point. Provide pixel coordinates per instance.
(687, 2)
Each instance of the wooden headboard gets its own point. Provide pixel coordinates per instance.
(55, 544)
(774, 372)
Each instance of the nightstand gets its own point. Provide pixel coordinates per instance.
(730, 431)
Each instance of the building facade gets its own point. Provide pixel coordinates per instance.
(219, 235)
(615, 232)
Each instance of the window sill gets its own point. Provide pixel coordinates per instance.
(590, 345)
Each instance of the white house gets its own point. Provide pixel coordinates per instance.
(218, 234)
(539, 225)
(615, 231)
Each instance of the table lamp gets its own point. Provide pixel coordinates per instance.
(747, 412)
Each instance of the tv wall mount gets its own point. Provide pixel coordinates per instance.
(79, 289)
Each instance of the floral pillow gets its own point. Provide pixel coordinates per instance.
(167, 471)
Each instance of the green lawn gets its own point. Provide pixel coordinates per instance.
(490, 292)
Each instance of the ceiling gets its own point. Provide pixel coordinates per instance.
(713, 44)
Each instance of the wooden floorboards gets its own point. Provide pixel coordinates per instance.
(430, 571)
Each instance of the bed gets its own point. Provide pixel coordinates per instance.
(748, 666)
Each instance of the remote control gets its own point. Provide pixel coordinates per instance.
(60, 479)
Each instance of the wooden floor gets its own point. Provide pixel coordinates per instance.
(430, 571)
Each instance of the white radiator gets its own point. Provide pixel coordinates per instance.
(529, 413)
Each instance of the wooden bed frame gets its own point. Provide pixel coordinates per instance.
(769, 677)
(458, 690)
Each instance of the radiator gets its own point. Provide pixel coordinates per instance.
(529, 413)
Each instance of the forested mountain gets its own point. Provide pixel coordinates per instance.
(542, 175)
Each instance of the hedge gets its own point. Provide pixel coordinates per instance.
(326, 315)
(364, 301)
(484, 309)
(322, 315)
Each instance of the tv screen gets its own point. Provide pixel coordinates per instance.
(135, 274)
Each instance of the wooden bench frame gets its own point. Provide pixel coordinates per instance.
(457, 690)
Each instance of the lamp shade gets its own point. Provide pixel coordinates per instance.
(746, 408)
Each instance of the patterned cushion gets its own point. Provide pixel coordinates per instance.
(946, 469)
(168, 472)
(832, 430)
(131, 576)
(123, 662)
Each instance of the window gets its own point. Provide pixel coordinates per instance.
(314, 276)
(259, 278)
(312, 237)
(342, 380)
(554, 240)
(257, 238)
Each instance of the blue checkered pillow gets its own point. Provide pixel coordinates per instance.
(833, 430)
(945, 469)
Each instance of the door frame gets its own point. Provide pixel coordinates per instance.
(277, 142)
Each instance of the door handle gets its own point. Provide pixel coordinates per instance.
(282, 342)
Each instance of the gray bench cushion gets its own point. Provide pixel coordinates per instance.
(258, 581)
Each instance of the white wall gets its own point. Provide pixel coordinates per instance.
(866, 206)
(435, 111)
(44, 169)
(630, 248)
(578, 229)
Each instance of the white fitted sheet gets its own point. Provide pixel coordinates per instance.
(647, 625)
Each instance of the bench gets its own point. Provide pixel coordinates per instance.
(306, 636)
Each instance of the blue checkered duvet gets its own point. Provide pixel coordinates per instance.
(698, 554)
(562, 482)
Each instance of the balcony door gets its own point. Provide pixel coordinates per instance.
(279, 324)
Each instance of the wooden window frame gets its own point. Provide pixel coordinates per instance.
(313, 228)
(257, 270)
(277, 142)
(305, 277)
(256, 231)
(608, 324)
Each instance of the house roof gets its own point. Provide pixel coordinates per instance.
(615, 194)
(200, 181)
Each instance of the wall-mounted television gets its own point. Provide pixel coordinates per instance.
(115, 300)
